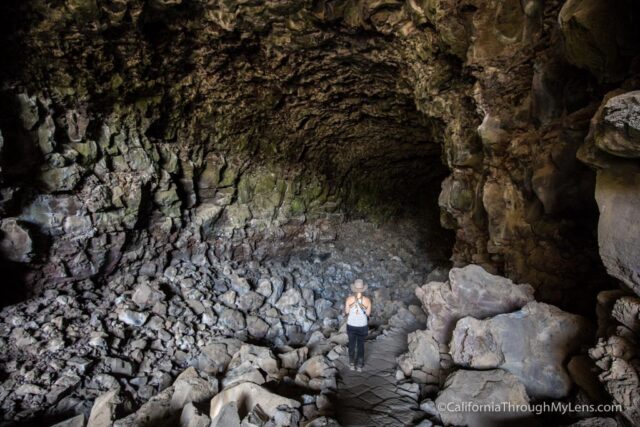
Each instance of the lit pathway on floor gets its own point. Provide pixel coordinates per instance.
(373, 397)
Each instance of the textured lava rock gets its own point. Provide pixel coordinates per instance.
(532, 343)
(470, 291)
(618, 133)
(493, 387)
(16, 244)
(618, 196)
(206, 124)
(616, 355)
(600, 37)
(248, 395)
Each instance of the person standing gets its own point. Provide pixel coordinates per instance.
(357, 307)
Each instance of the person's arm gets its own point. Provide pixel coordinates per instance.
(368, 307)
(347, 306)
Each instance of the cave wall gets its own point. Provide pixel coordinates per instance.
(251, 122)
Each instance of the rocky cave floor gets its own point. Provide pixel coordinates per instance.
(200, 341)
(137, 332)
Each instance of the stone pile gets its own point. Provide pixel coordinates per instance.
(65, 347)
(193, 400)
(488, 341)
(157, 314)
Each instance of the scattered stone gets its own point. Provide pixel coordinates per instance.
(215, 356)
(119, 366)
(317, 373)
(146, 296)
(132, 318)
(294, 358)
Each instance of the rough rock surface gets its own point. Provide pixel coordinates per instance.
(618, 196)
(619, 131)
(470, 291)
(248, 395)
(496, 388)
(532, 343)
(204, 124)
(616, 355)
(609, 148)
(173, 174)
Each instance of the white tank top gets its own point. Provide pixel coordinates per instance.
(357, 315)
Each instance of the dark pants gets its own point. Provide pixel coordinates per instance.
(357, 335)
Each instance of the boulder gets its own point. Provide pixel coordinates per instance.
(230, 319)
(599, 36)
(618, 197)
(289, 301)
(192, 387)
(317, 373)
(154, 412)
(532, 343)
(256, 327)
(626, 310)
(118, 366)
(260, 357)
(146, 296)
(495, 388)
(132, 318)
(59, 179)
(293, 359)
(617, 131)
(423, 356)
(15, 241)
(470, 291)
(166, 408)
(252, 364)
(215, 356)
(191, 417)
(250, 301)
(227, 416)
(247, 395)
(243, 373)
(103, 412)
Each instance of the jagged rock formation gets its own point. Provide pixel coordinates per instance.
(253, 121)
(616, 353)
